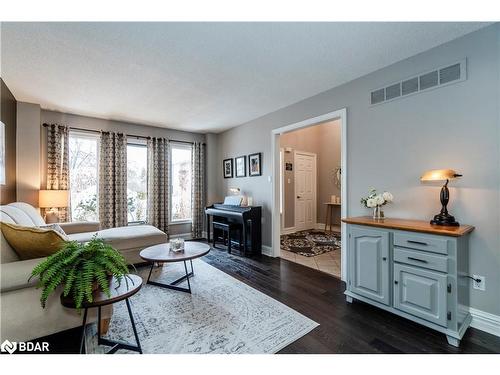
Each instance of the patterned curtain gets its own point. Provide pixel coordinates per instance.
(158, 183)
(58, 163)
(198, 189)
(113, 180)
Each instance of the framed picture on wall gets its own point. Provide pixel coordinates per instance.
(240, 166)
(227, 167)
(255, 164)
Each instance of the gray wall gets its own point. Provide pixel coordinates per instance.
(92, 123)
(390, 145)
(8, 117)
(324, 141)
(28, 152)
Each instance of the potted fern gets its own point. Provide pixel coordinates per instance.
(81, 268)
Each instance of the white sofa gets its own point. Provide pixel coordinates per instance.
(22, 318)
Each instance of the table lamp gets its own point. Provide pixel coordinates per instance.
(53, 199)
(443, 218)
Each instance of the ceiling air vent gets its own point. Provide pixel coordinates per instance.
(449, 74)
(429, 80)
(378, 96)
(393, 91)
(410, 86)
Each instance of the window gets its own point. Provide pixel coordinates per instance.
(137, 186)
(181, 172)
(83, 176)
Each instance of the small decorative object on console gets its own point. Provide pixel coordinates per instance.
(177, 245)
(376, 201)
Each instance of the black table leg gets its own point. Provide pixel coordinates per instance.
(82, 339)
(173, 284)
(133, 326)
(117, 345)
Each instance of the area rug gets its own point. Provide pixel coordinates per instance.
(222, 315)
(310, 242)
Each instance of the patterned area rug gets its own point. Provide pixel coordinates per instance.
(222, 315)
(310, 242)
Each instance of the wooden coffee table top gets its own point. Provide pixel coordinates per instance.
(119, 292)
(162, 253)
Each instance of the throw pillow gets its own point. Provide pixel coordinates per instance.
(55, 227)
(32, 242)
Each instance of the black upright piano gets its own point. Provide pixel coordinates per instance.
(250, 217)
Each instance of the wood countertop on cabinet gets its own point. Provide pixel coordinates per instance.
(410, 225)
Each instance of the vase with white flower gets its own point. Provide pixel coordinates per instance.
(376, 201)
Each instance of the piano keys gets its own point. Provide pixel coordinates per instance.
(249, 217)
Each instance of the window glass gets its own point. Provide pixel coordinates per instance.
(181, 174)
(83, 176)
(137, 186)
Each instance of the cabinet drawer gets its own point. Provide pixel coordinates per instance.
(421, 259)
(421, 242)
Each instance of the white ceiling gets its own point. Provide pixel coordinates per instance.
(202, 77)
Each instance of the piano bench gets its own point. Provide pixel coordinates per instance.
(227, 229)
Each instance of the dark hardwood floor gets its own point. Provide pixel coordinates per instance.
(344, 327)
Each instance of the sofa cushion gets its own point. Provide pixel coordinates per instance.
(123, 238)
(17, 215)
(16, 275)
(29, 210)
(7, 254)
(32, 242)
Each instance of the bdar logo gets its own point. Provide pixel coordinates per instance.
(8, 346)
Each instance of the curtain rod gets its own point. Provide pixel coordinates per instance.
(128, 135)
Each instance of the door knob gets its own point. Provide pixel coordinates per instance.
(298, 196)
(384, 259)
(395, 281)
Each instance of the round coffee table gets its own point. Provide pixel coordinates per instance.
(119, 291)
(162, 254)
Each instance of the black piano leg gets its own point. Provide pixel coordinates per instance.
(208, 229)
(244, 239)
(229, 240)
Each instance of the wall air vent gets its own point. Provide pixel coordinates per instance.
(445, 75)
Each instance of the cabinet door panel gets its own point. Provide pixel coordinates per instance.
(369, 264)
(421, 293)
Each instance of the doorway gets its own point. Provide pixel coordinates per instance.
(307, 170)
(305, 190)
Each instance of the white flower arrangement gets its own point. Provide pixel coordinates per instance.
(373, 199)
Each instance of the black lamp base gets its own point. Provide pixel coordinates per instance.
(444, 219)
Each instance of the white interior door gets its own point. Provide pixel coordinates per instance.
(305, 190)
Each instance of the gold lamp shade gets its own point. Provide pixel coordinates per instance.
(439, 175)
(53, 198)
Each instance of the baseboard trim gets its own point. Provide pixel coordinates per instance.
(485, 321)
(267, 250)
(185, 236)
(321, 226)
(287, 230)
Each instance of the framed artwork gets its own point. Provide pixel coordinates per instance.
(240, 166)
(227, 167)
(255, 164)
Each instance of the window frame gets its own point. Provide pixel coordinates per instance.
(90, 134)
(139, 142)
(178, 145)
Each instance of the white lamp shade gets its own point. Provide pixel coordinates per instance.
(53, 198)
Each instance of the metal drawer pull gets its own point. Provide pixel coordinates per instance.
(417, 260)
(417, 242)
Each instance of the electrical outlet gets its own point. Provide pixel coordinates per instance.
(479, 285)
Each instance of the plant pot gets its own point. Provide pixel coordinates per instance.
(95, 284)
